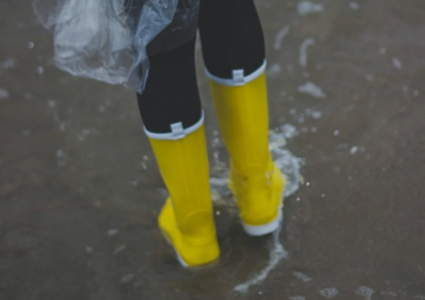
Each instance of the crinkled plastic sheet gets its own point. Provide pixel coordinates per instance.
(110, 40)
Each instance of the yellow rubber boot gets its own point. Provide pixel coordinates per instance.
(254, 180)
(186, 219)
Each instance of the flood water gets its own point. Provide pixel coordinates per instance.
(80, 191)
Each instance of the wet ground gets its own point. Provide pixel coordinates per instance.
(80, 192)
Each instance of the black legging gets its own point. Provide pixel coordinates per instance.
(232, 38)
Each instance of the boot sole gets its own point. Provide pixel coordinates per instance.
(203, 266)
(266, 228)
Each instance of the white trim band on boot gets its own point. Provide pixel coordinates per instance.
(264, 229)
(239, 77)
(177, 131)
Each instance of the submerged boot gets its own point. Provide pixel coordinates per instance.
(257, 184)
(186, 220)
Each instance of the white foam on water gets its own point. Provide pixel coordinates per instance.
(303, 50)
(290, 166)
(40, 70)
(216, 142)
(297, 298)
(218, 166)
(277, 253)
(315, 114)
(369, 77)
(328, 293)
(365, 292)
(280, 36)
(62, 157)
(86, 133)
(214, 181)
(300, 120)
(308, 7)
(283, 158)
(8, 63)
(119, 249)
(60, 153)
(301, 276)
(112, 232)
(4, 94)
(354, 5)
(288, 131)
(127, 278)
(353, 150)
(311, 89)
(274, 70)
(286, 161)
(397, 63)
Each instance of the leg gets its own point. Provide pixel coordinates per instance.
(173, 119)
(234, 55)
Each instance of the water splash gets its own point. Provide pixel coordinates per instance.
(283, 158)
(119, 249)
(301, 276)
(315, 114)
(329, 293)
(308, 7)
(112, 232)
(8, 63)
(397, 63)
(354, 5)
(4, 94)
(62, 157)
(303, 51)
(280, 36)
(274, 70)
(277, 253)
(365, 292)
(311, 89)
(290, 166)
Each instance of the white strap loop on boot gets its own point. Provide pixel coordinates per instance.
(177, 130)
(238, 77)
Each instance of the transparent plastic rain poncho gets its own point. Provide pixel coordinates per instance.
(110, 40)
